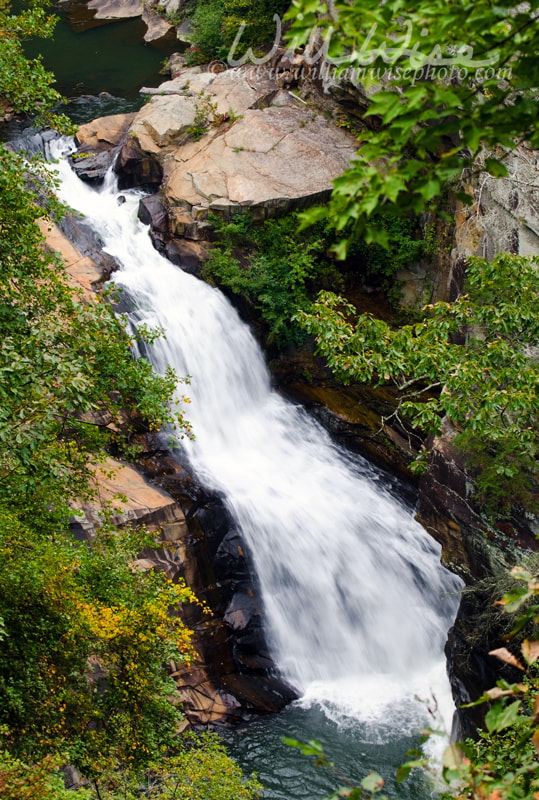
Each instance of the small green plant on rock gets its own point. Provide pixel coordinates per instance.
(207, 115)
(204, 113)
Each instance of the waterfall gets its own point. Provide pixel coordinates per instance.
(356, 603)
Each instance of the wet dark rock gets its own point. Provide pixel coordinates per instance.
(217, 565)
(188, 255)
(241, 611)
(31, 142)
(88, 242)
(230, 563)
(135, 169)
(90, 166)
(183, 253)
(152, 212)
(264, 694)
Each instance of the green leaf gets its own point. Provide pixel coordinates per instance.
(495, 168)
(500, 717)
(404, 770)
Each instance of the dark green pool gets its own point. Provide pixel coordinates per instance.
(100, 69)
(355, 750)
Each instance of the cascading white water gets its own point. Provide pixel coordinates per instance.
(357, 604)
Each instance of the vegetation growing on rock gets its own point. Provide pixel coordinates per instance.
(279, 270)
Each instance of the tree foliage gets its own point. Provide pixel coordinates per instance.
(85, 643)
(447, 81)
(272, 268)
(469, 361)
(25, 85)
(217, 22)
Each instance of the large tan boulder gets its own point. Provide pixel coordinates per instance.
(116, 9)
(164, 121)
(236, 140)
(104, 132)
(271, 159)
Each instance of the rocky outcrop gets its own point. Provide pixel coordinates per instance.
(83, 272)
(159, 29)
(226, 143)
(104, 132)
(502, 218)
(187, 254)
(140, 503)
(116, 9)
(273, 159)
